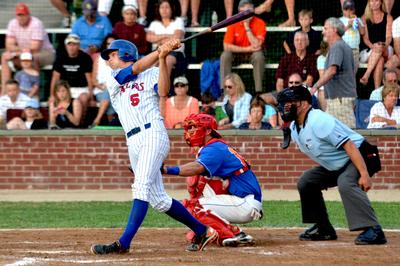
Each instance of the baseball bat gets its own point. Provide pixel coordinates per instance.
(222, 24)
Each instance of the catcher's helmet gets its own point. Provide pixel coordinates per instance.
(127, 51)
(202, 122)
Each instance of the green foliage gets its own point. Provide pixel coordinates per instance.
(114, 215)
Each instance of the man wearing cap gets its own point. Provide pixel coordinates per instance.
(25, 33)
(74, 66)
(244, 41)
(178, 107)
(338, 79)
(13, 99)
(91, 28)
(130, 30)
(337, 150)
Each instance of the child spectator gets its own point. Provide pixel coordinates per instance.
(181, 105)
(257, 112)
(352, 34)
(314, 37)
(209, 106)
(130, 30)
(64, 111)
(31, 118)
(28, 77)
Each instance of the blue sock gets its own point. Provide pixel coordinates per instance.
(179, 213)
(136, 217)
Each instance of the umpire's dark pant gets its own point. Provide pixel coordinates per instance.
(359, 212)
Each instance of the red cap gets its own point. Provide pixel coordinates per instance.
(21, 9)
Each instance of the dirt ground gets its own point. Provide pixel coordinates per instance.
(167, 247)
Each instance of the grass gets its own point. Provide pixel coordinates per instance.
(114, 215)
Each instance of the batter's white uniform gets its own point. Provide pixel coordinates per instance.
(137, 105)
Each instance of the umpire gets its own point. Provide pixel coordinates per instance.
(335, 147)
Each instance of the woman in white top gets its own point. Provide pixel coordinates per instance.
(167, 25)
(386, 113)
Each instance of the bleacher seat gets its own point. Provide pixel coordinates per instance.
(361, 111)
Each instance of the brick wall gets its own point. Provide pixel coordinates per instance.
(98, 159)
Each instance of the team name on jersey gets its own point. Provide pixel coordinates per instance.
(134, 97)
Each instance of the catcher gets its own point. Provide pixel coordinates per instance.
(222, 187)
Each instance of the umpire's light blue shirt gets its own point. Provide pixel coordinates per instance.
(322, 137)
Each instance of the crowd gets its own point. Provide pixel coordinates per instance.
(326, 63)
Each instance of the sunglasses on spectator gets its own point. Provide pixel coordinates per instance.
(294, 82)
(228, 87)
(180, 85)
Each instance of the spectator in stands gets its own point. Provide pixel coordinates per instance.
(130, 30)
(388, 3)
(28, 77)
(181, 105)
(75, 67)
(377, 36)
(210, 107)
(314, 37)
(31, 118)
(167, 25)
(64, 111)
(102, 79)
(301, 61)
(25, 32)
(142, 4)
(104, 6)
(321, 69)
(194, 8)
(91, 28)
(386, 113)
(244, 41)
(394, 61)
(389, 77)
(62, 8)
(338, 78)
(352, 34)
(266, 7)
(257, 112)
(13, 99)
(236, 103)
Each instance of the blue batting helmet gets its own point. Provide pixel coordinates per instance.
(127, 51)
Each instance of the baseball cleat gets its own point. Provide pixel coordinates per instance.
(241, 239)
(371, 236)
(199, 242)
(317, 233)
(107, 249)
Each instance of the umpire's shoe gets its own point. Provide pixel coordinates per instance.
(199, 242)
(107, 249)
(371, 236)
(318, 233)
(241, 239)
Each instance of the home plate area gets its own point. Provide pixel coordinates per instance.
(167, 247)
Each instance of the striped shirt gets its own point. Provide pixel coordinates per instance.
(137, 101)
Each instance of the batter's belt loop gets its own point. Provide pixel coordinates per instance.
(136, 130)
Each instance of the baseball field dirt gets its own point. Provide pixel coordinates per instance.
(167, 247)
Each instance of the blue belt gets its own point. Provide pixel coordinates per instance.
(137, 130)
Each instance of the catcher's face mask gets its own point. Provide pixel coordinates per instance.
(194, 135)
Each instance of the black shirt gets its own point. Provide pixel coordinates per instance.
(314, 38)
(73, 69)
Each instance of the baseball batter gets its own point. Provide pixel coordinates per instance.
(135, 97)
(236, 199)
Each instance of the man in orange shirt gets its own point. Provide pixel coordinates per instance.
(243, 41)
